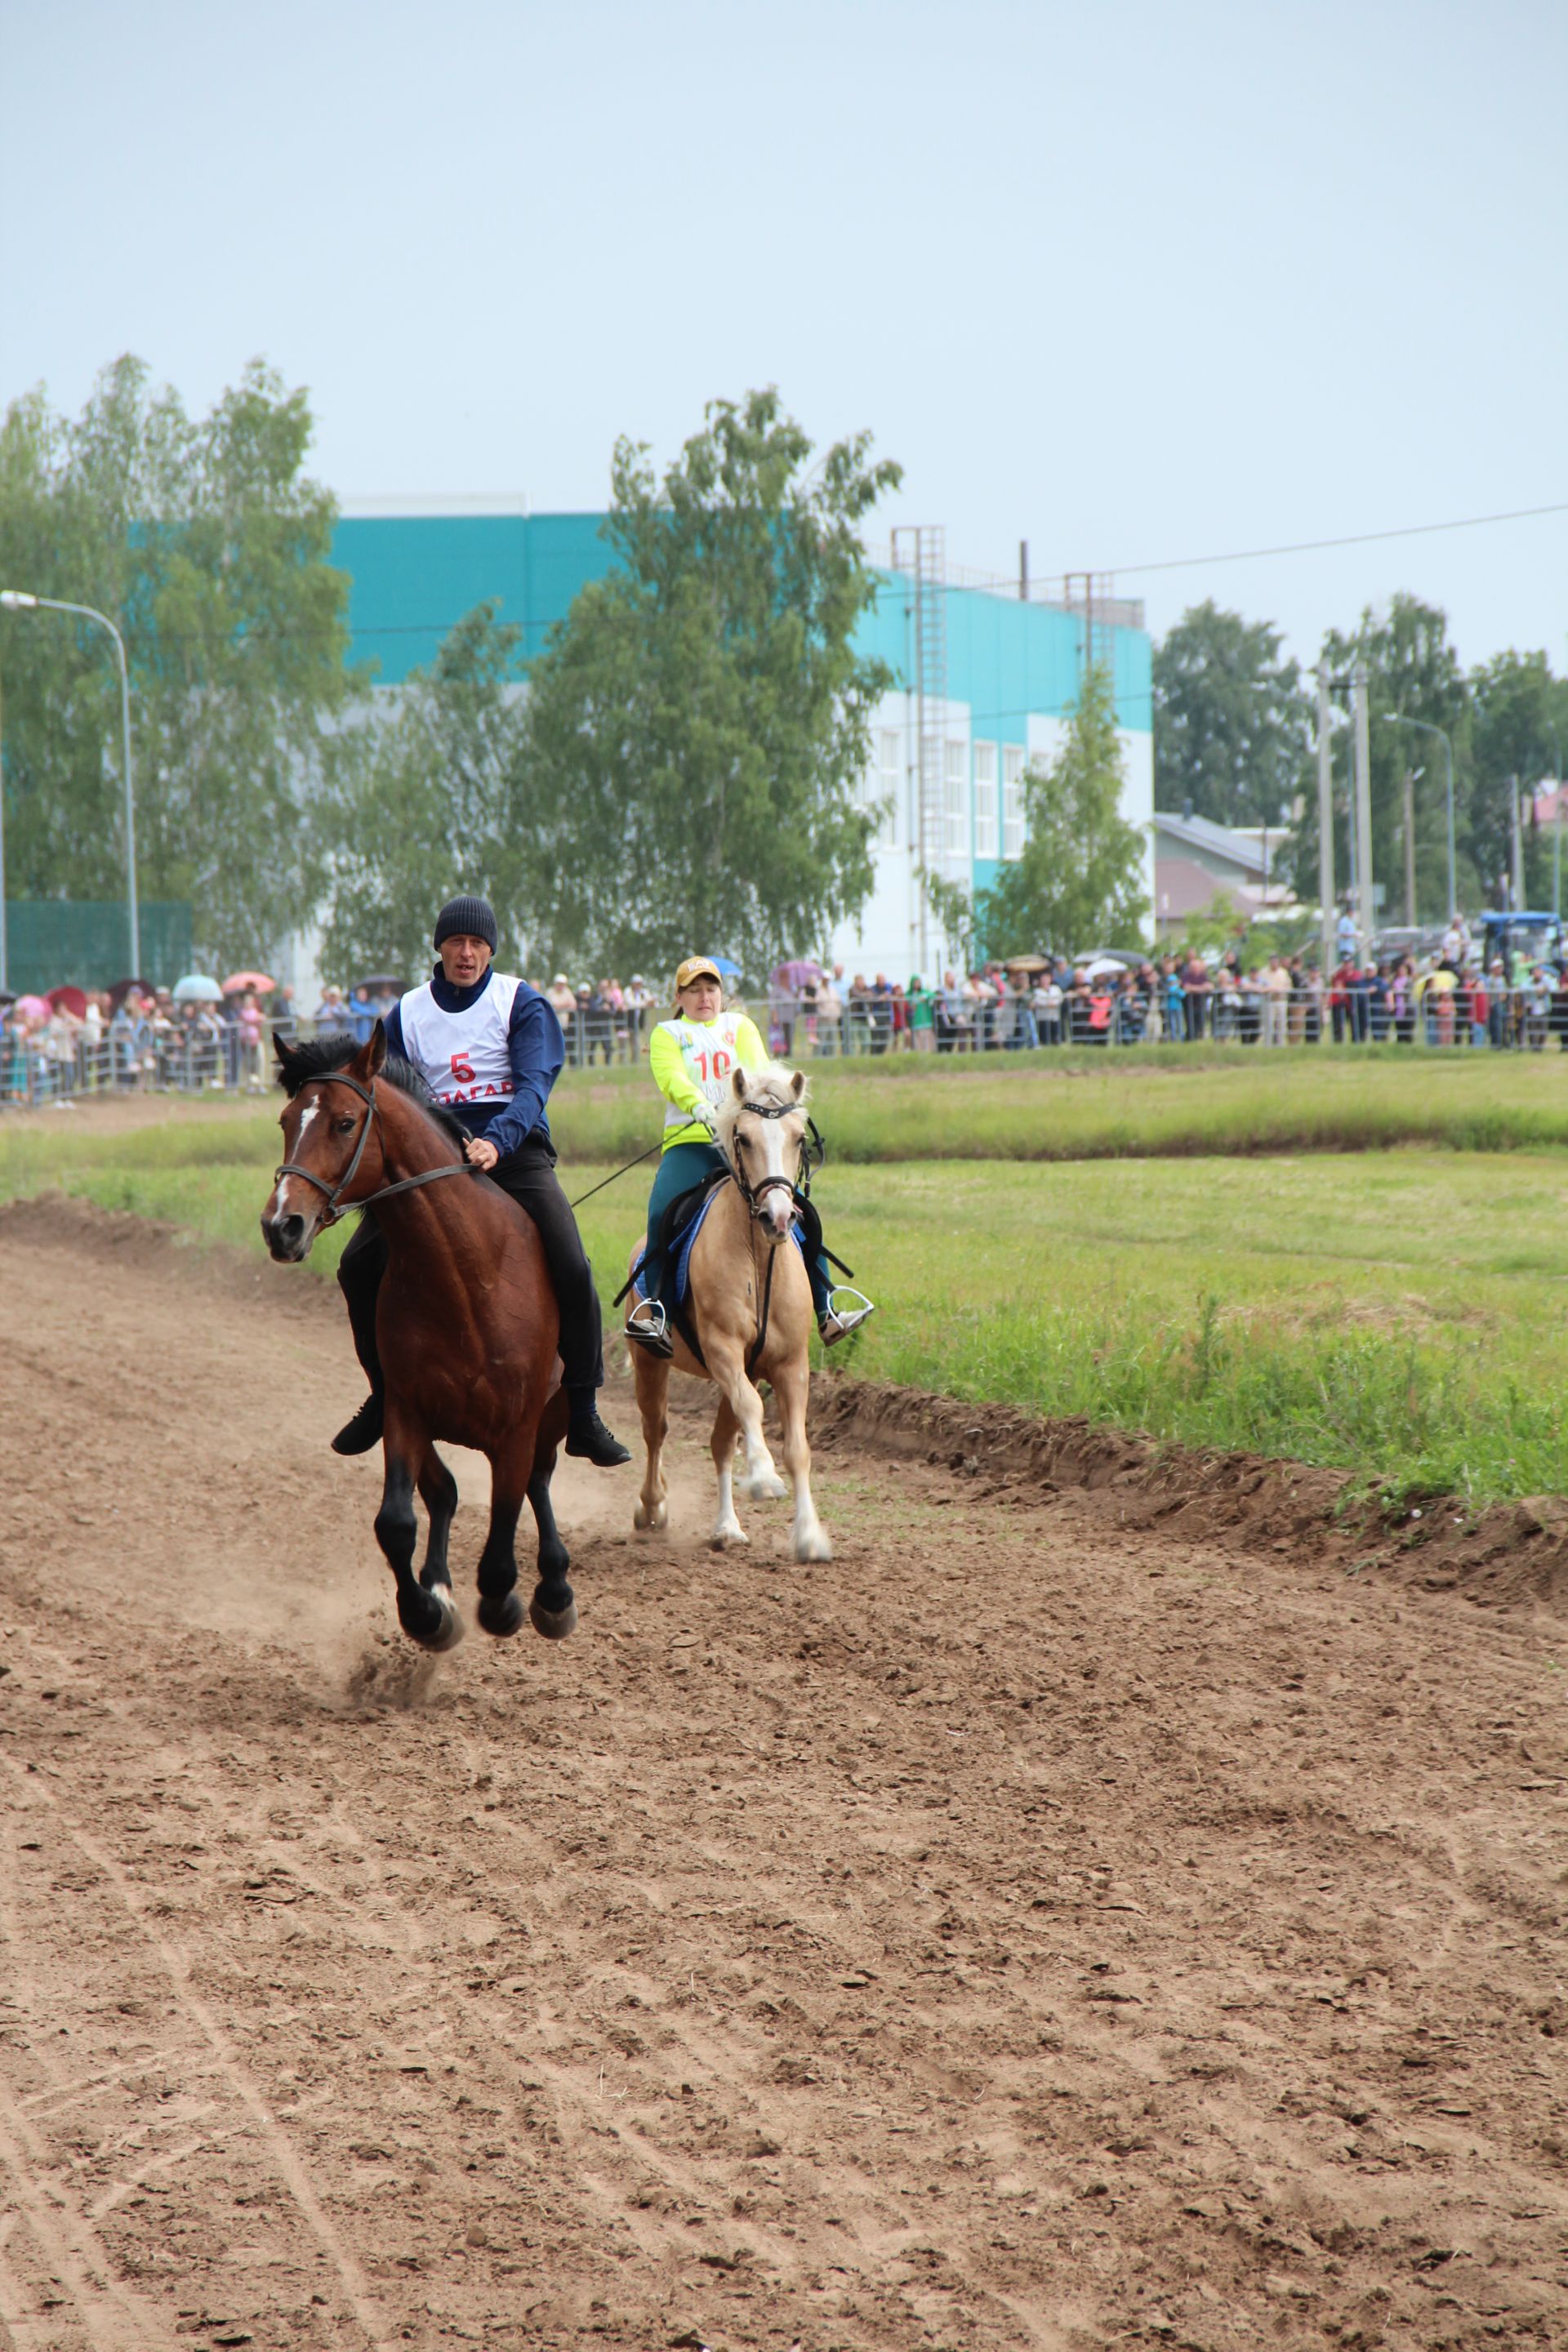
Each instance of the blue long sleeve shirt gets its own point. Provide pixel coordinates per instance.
(535, 1049)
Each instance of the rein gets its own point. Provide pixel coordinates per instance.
(614, 1173)
(332, 1213)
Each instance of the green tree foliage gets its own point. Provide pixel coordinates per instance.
(423, 803)
(1500, 719)
(1080, 880)
(1232, 725)
(953, 904)
(1518, 728)
(696, 728)
(206, 544)
(1412, 669)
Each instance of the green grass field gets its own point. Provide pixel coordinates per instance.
(1398, 1314)
(1150, 1103)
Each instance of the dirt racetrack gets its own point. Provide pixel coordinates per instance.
(1033, 1930)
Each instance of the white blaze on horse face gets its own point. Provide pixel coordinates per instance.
(777, 1205)
(306, 1115)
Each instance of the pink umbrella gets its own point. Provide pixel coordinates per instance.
(33, 1008)
(261, 982)
(792, 975)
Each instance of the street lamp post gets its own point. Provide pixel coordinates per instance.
(18, 600)
(1395, 718)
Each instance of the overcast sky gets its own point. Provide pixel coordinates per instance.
(1131, 282)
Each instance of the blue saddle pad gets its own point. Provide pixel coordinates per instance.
(677, 1272)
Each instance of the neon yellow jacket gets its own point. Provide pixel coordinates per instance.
(693, 1062)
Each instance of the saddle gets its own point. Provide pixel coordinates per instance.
(682, 1222)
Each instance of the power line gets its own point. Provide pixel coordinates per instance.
(1353, 539)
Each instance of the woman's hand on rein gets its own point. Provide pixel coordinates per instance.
(479, 1153)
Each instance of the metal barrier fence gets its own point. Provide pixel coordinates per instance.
(59, 1062)
(1390, 1013)
(47, 1065)
(52, 1065)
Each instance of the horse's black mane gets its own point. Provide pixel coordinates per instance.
(314, 1059)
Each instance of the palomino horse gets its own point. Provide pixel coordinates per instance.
(748, 1301)
(466, 1322)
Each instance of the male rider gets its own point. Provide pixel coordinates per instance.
(489, 1048)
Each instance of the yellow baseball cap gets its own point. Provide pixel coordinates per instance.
(697, 967)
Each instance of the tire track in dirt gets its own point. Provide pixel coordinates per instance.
(175, 1968)
(1038, 1930)
(65, 2242)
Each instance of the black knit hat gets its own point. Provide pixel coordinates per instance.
(470, 916)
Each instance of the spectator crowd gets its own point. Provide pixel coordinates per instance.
(76, 1042)
(1447, 997)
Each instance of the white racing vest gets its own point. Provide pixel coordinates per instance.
(463, 1058)
(710, 1053)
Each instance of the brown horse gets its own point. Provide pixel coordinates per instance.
(466, 1322)
(749, 1305)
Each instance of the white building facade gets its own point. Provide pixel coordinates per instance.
(986, 685)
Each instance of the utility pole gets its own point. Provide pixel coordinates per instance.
(1410, 848)
(1365, 901)
(1022, 571)
(1517, 844)
(1325, 825)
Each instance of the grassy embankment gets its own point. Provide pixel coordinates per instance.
(1159, 1102)
(1399, 1314)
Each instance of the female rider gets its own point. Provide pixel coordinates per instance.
(692, 1058)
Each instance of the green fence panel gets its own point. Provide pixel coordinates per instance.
(52, 941)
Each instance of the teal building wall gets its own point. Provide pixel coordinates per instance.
(1007, 659)
(413, 577)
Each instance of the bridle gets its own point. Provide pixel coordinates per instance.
(331, 1212)
(812, 1152)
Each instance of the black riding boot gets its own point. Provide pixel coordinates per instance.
(359, 1278)
(586, 1435)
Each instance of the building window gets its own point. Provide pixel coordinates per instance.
(1013, 760)
(986, 800)
(955, 800)
(880, 786)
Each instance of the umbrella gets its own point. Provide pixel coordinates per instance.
(33, 1008)
(1099, 965)
(1027, 963)
(196, 988)
(70, 1000)
(125, 988)
(724, 968)
(380, 982)
(258, 980)
(792, 975)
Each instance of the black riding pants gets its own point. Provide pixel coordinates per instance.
(529, 1175)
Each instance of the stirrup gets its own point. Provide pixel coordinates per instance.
(837, 1322)
(651, 1334)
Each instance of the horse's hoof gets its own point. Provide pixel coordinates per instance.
(500, 1613)
(763, 1488)
(813, 1548)
(554, 1623)
(727, 1539)
(648, 1522)
(430, 1619)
